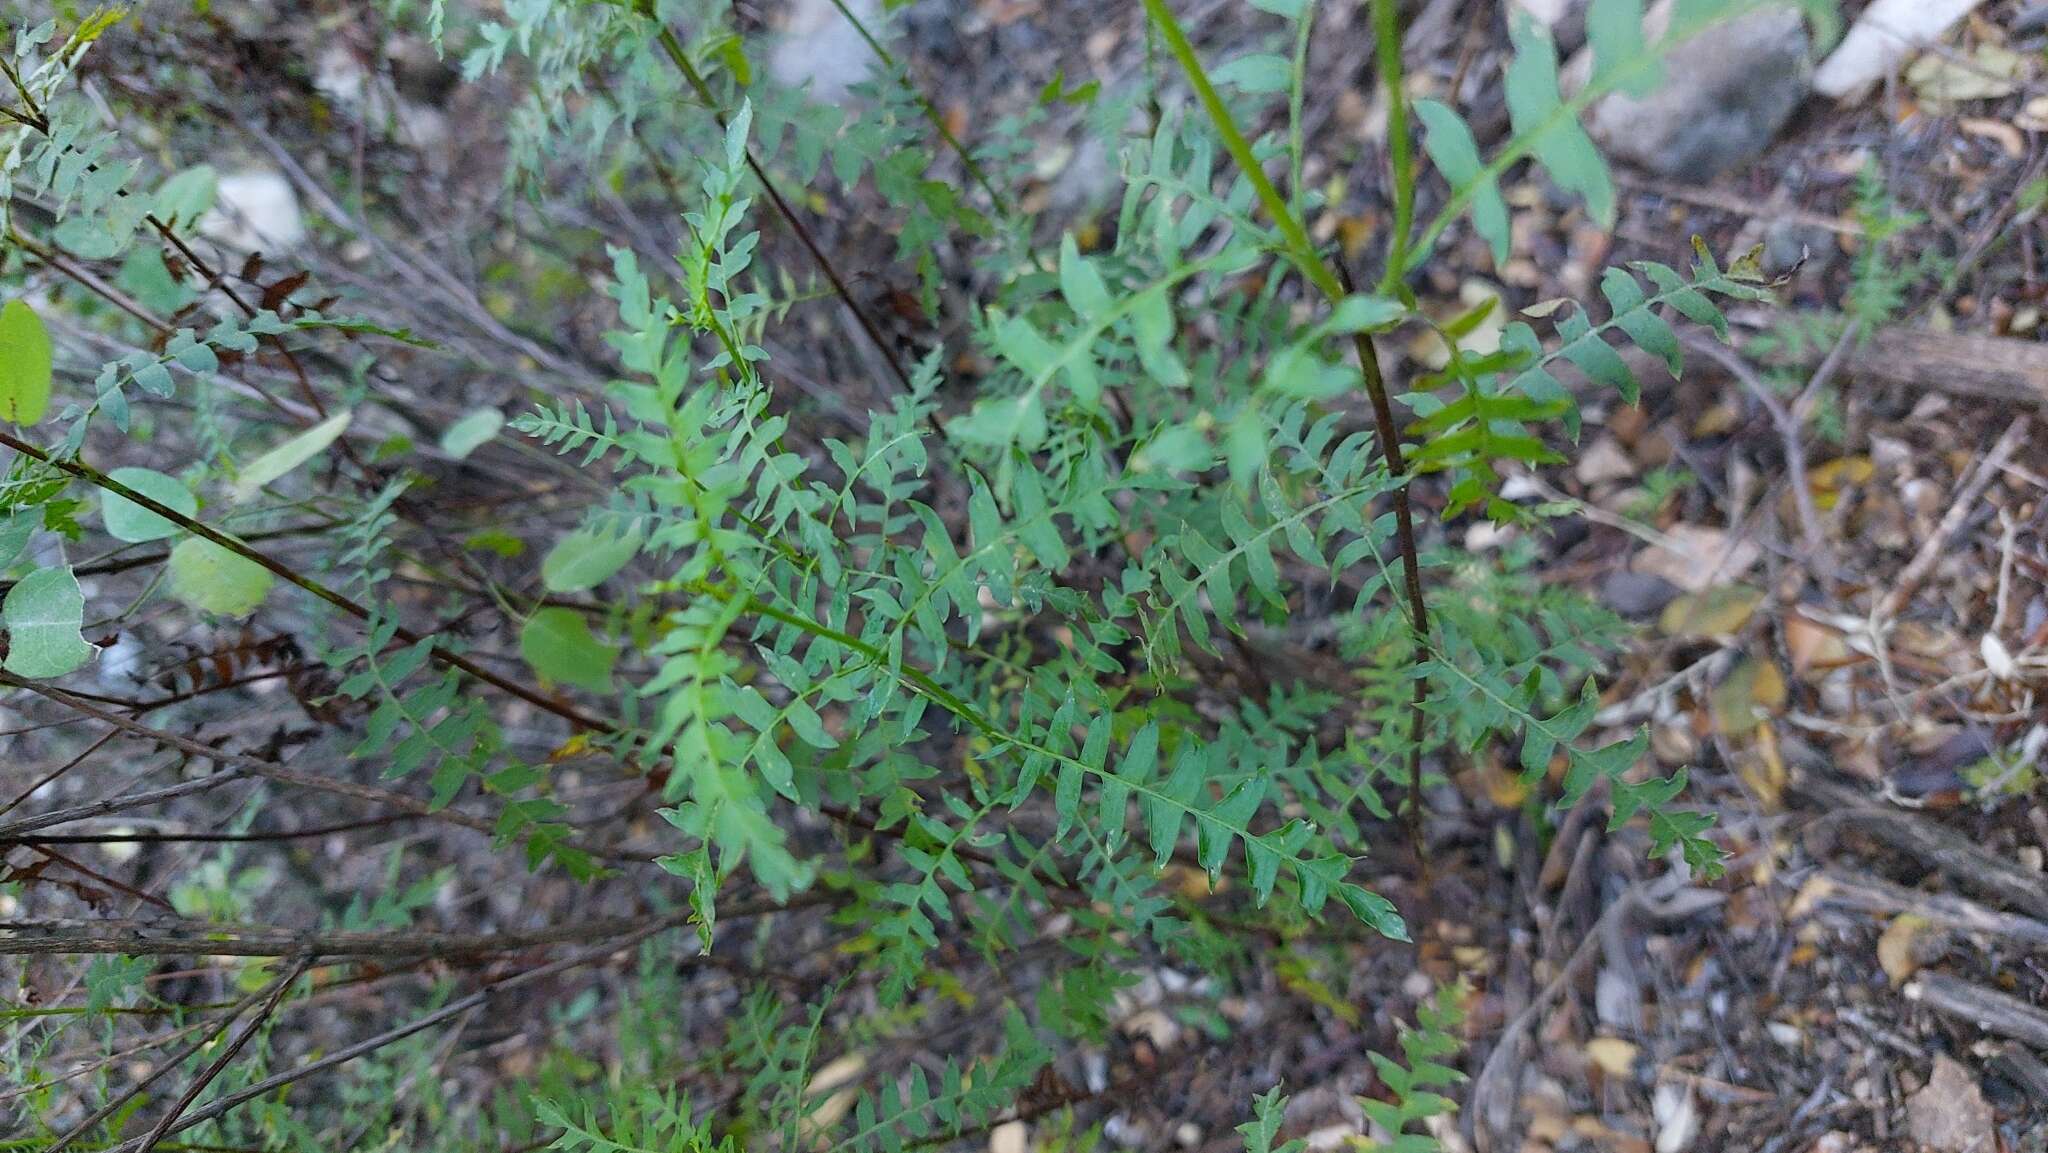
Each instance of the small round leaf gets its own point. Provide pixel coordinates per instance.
(584, 559)
(470, 433)
(44, 612)
(128, 521)
(214, 580)
(559, 645)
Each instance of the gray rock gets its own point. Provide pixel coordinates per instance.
(1086, 181)
(823, 49)
(1950, 1114)
(1725, 96)
(1789, 244)
(1638, 596)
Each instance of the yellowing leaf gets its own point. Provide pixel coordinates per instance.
(214, 580)
(1615, 1056)
(558, 644)
(1752, 690)
(25, 360)
(281, 460)
(1719, 611)
(1505, 788)
(1900, 947)
(1992, 71)
(1762, 768)
(1828, 481)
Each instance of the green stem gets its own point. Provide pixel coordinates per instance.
(1297, 96)
(1300, 247)
(924, 684)
(1400, 149)
(680, 57)
(1335, 282)
(931, 112)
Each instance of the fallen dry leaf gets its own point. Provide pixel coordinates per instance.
(1828, 481)
(1990, 72)
(1899, 952)
(1813, 645)
(1505, 787)
(1949, 1113)
(1483, 335)
(1717, 612)
(1816, 889)
(1606, 1138)
(1717, 420)
(1695, 557)
(2032, 116)
(1752, 690)
(2008, 138)
(1604, 460)
(1997, 658)
(1615, 1056)
(1762, 768)
(1678, 1117)
(835, 1082)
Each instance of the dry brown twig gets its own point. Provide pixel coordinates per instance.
(1988, 1009)
(1666, 898)
(1932, 549)
(238, 766)
(227, 1055)
(175, 938)
(163, 1068)
(368, 1045)
(1790, 434)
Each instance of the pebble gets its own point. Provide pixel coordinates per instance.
(255, 210)
(1638, 596)
(1603, 460)
(1885, 33)
(339, 75)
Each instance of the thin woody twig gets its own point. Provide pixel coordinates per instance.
(1790, 434)
(228, 1054)
(285, 572)
(1936, 544)
(342, 1056)
(165, 1066)
(1411, 564)
(239, 765)
(198, 837)
(681, 59)
(130, 938)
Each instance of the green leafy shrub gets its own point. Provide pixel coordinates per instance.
(951, 676)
